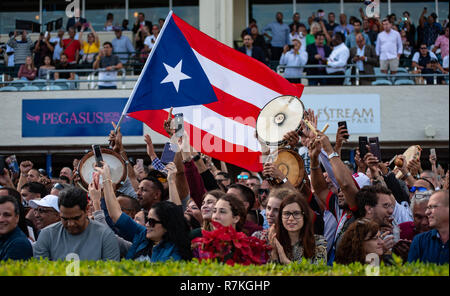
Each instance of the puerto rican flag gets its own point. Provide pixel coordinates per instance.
(219, 90)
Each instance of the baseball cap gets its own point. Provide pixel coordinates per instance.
(361, 180)
(49, 201)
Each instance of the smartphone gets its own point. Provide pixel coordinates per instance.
(375, 147)
(46, 34)
(140, 162)
(168, 154)
(363, 142)
(98, 155)
(433, 151)
(13, 165)
(179, 125)
(2, 165)
(344, 123)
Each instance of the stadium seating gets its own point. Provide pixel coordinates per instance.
(9, 88)
(29, 88)
(380, 80)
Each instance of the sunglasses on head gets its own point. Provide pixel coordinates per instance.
(151, 222)
(245, 177)
(58, 186)
(418, 188)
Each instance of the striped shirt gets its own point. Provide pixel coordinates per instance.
(22, 49)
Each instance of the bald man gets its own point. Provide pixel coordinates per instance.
(365, 58)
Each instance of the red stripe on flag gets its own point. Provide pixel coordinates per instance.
(234, 108)
(236, 61)
(226, 151)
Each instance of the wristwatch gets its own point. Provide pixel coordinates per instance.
(334, 154)
(284, 180)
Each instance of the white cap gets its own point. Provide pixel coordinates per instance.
(49, 201)
(361, 180)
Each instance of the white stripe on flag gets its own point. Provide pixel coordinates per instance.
(235, 84)
(219, 126)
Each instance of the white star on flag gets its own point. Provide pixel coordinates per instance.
(175, 75)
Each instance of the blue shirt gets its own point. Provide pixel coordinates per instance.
(123, 45)
(280, 34)
(350, 42)
(428, 247)
(15, 246)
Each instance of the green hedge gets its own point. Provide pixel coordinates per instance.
(194, 268)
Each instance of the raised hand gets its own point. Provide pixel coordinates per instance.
(150, 148)
(292, 138)
(271, 170)
(25, 167)
(167, 124)
(171, 171)
(342, 132)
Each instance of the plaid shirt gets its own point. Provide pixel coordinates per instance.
(158, 165)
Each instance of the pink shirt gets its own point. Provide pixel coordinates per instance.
(442, 42)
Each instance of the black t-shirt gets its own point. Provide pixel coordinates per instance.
(319, 225)
(64, 75)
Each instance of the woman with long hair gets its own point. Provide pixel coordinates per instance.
(193, 215)
(293, 237)
(229, 210)
(166, 232)
(91, 48)
(48, 65)
(359, 240)
(27, 71)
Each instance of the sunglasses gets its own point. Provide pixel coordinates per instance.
(245, 177)
(420, 189)
(152, 222)
(262, 191)
(58, 186)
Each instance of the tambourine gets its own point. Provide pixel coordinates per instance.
(113, 159)
(278, 117)
(291, 164)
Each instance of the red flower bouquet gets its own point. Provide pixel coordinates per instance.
(226, 245)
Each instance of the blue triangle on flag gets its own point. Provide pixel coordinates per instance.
(173, 76)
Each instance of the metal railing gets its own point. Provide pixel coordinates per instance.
(357, 75)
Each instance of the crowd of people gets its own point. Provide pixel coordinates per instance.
(323, 45)
(337, 213)
(32, 61)
(366, 42)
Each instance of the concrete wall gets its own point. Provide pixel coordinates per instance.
(405, 111)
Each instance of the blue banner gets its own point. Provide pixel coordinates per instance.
(76, 118)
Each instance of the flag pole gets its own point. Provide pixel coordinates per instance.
(125, 109)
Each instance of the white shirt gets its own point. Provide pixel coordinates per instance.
(11, 57)
(360, 52)
(389, 45)
(445, 62)
(402, 213)
(150, 41)
(338, 59)
(294, 60)
(417, 56)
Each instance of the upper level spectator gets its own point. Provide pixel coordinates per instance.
(442, 43)
(48, 65)
(71, 47)
(125, 25)
(138, 28)
(430, 28)
(76, 21)
(317, 55)
(56, 42)
(14, 244)
(389, 48)
(110, 63)
(42, 48)
(150, 41)
(315, 28)
(338, 59)
(432, 246)
(331, 24)
(91, 48)
(344, 27)
(351, 38)
(251, 50)
(365, 57)
(427, 63)
(122, 46)
(295, 21)
(109, 24)
(280, 36)
(27, 71)
(407, 26)
(63, 64)
(22, 48)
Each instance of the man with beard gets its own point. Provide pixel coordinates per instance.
(263, 196)
(419, 202)
(150, 191)
(46, 211)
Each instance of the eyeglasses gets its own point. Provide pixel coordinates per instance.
(297, 215)
(151, 222)
(43, 210)
(388, 205)
(262, 191)
(420, 189)
(432, 207)
(244, 177)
